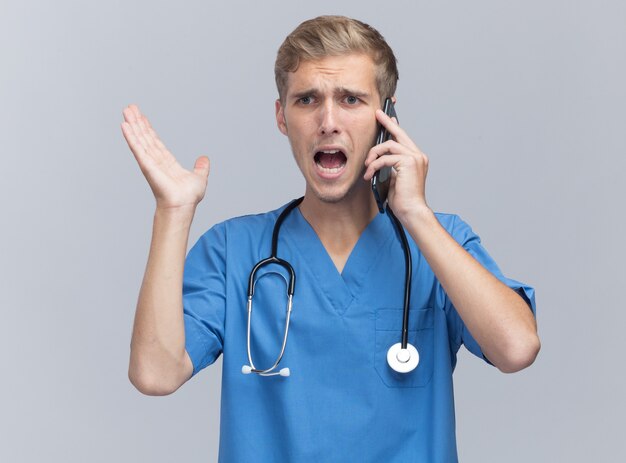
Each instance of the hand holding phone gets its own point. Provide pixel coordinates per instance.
(382, 178)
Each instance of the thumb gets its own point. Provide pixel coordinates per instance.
(202, 166)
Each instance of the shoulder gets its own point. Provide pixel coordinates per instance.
(240, 234)
(460, 230)
(245, 225)
(251, 222)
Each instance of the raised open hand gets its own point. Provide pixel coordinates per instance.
(172, 185)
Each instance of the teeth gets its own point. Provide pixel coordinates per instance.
(329, 151)
(329, 170)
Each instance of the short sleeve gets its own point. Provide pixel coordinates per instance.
(204, 298)
(470, 241)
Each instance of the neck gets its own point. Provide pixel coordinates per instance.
(355, 210)
(339, 225)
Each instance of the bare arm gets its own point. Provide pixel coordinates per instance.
(498, 318)
(159, 363)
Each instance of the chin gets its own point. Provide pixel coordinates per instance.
(335, 195)
(330, 199)
(327, 195)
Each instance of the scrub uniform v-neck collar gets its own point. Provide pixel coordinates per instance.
(340, 289)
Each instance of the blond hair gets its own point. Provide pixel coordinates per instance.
(333, 36)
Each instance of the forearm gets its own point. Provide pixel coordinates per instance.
(497, 317)
(158, 361)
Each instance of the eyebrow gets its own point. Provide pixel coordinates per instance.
(348, 91)
(336, 91)
(303, 93)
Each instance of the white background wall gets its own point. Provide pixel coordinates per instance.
(520, 106)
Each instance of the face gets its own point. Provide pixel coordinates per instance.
(328, 116)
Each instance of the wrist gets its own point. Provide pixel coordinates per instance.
(180, 214)
(415, 214)
(423, 226)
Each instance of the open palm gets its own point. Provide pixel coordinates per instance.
(172, 185)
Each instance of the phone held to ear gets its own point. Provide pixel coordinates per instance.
(382, 178)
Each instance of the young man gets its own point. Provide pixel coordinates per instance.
(342, 401)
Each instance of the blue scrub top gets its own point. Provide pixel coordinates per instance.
(342, 401)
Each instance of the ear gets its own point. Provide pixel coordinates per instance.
(393, 99)
(280, 118)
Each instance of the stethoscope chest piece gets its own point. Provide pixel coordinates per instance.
(403, 360)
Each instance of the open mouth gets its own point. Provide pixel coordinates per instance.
(330, 161)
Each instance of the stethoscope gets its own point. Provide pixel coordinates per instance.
(401, 357)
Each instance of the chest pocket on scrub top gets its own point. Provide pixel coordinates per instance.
(421, 335)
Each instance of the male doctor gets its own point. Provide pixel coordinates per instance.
(341, 402)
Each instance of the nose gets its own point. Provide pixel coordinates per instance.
(329, 119)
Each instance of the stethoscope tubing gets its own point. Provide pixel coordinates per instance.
(408, 274)
(272, 259)
(401, 352)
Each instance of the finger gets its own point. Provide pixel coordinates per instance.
(151, 137)
(140, 124)
(139, 136)
(132, 113)
(202, 166)
(143, 127)
(135, 110)
(158, 149)
(147, 140)
(155, 136)
(135, 146)
(390, 160)
(384, 149)
(130, 137)
(147, 137)
(129, 114)
(133, 139)
(394, 129)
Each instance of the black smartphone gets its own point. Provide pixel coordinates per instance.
(382, 178)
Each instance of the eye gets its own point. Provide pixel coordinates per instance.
(305, 100)
(351, 100)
